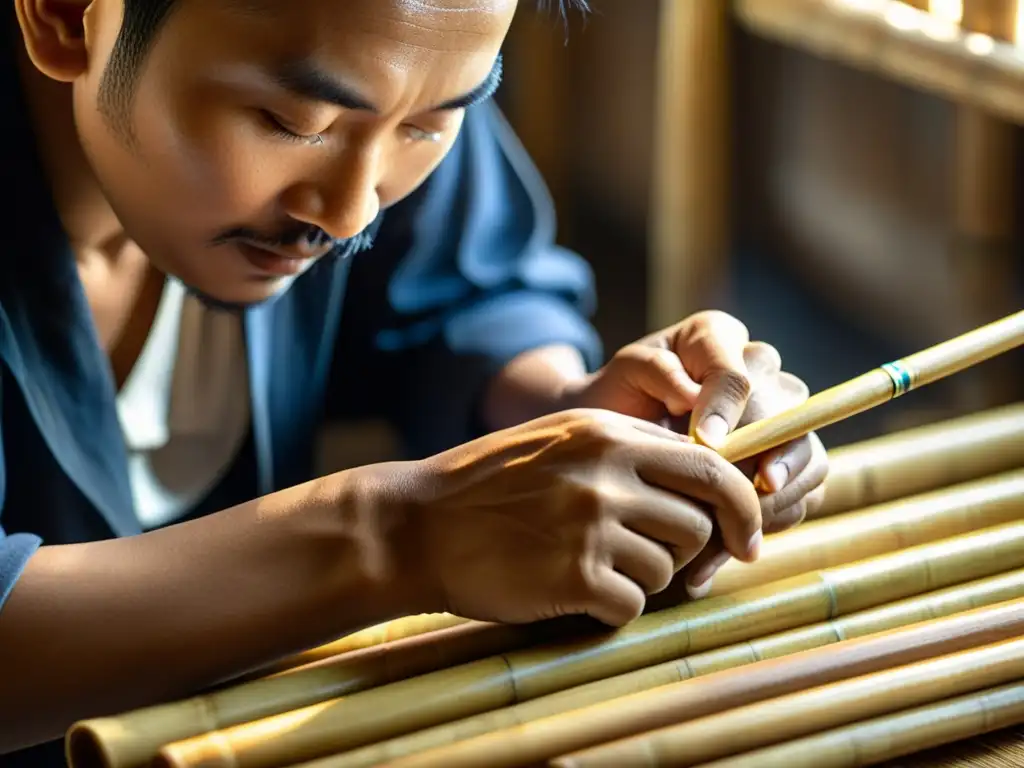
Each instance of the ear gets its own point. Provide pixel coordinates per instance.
(54, 32)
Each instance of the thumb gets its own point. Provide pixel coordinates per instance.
(711, 345)
(723, 399)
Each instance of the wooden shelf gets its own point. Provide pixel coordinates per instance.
(899, 42)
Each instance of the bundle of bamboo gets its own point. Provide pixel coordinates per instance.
(861, 637)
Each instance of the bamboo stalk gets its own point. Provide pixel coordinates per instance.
(894, 736)
(876, 530)
(378, 634)
(627, 704)
(690, 194)
(876, 387)
(812, 711)
(391, 710)
(130, 740)
(924, 459)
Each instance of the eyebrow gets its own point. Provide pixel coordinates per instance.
(304, 79)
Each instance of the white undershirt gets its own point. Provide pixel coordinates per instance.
(184, 409)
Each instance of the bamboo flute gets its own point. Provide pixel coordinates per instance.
(889, 737)
(811, 711)
(655, 697)
(876, 387)
(876, 530)
(924, 458)
(373, 715)
(378, 634)
(131, 739)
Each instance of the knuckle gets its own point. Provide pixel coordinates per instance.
(595, 424)
(703, 530)
(662, 576)
(794, 386)
(705, 467)
(719, 320)
(762, 356)
(734, 385)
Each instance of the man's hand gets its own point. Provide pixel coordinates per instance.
(578, 512)
(705, 376)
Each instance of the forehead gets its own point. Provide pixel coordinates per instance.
(430, 24)
(403, 54)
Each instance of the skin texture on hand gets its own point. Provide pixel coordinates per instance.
(578, 512)
(705, 376)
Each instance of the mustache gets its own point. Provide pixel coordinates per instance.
(311, 236)
(308, 235)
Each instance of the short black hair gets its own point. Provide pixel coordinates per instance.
(140, 25)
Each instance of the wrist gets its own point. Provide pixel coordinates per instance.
(378, 510)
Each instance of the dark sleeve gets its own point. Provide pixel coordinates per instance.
(15, 550)
(463, 277)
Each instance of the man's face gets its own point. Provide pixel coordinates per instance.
(279, 124)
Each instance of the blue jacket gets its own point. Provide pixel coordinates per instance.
(463, 276)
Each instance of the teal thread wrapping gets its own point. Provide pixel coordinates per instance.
(902, 378)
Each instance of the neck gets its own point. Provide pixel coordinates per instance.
(89, 222)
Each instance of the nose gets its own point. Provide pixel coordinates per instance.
(343, 200)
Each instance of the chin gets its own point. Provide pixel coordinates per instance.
(240, 300)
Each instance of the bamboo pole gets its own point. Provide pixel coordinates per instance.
(876, 530)
(370, 716)
(691, 191)
(876, 387)
(894, 736)
(378, 634)
(130, 740)
(812, 711)
(924, 458)
(628, 704)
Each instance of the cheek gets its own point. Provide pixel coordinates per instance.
(210, 162)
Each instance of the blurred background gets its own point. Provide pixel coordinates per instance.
(842, 175)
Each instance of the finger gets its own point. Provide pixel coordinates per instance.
(658, 373)
(645, 562)
(815, 499)
(701, 573)
(778, 465)
(677, 524)
(711, 348)
(701, 474)
(787, 518)
(614, 599)
(762, 360)
(800, 486)
(660, 431)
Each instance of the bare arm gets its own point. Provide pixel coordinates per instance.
(532, 385)
(102, 627)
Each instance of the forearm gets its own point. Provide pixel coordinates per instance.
(532, 385)
(107, 626)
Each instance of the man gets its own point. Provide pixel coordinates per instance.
(188, 289)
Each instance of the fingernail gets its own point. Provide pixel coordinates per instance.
(713, 430)
(696, 593)
(775, 477)
(703, 576)
(754, 547)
